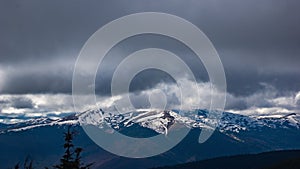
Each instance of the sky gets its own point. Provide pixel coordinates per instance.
(258, 43)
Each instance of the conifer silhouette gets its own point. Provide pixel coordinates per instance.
(72, 156)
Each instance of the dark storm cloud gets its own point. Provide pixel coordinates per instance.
(17, 102)
(258, 41)
(22, 102)
(148, 78)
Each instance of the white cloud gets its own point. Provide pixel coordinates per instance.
(267, 101)
(18, 108)
(264, 111)
(264, 102)
(194, 95)
(12, 110)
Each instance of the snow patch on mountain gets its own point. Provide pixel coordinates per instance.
(162, 120)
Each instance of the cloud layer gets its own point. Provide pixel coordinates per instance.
(38, 48)
(258, 44)
(265, 102)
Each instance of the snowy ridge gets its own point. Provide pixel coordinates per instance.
(162, 120)
(40, 122)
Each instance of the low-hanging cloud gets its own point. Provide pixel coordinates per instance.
(264, 102)
(22, 103)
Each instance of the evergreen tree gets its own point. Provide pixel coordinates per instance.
(72, 156)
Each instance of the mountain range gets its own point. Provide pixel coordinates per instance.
(42, 138)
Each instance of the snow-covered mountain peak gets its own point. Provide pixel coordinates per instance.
(157, 120)
(162, 120)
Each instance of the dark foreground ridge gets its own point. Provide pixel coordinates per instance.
(289, 159)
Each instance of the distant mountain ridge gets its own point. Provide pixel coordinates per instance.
(161, 120)
(41, 138)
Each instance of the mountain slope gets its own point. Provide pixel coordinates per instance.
(161, 120)
(269, 160)
(42, 139)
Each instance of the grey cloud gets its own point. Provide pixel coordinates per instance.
(260, 98)
(25, 83)
(297, 99)
(38, 77)
(2, 102)
(236, 104)
(267, 100)
(14, 108)
(257, 42)
(21, 103)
